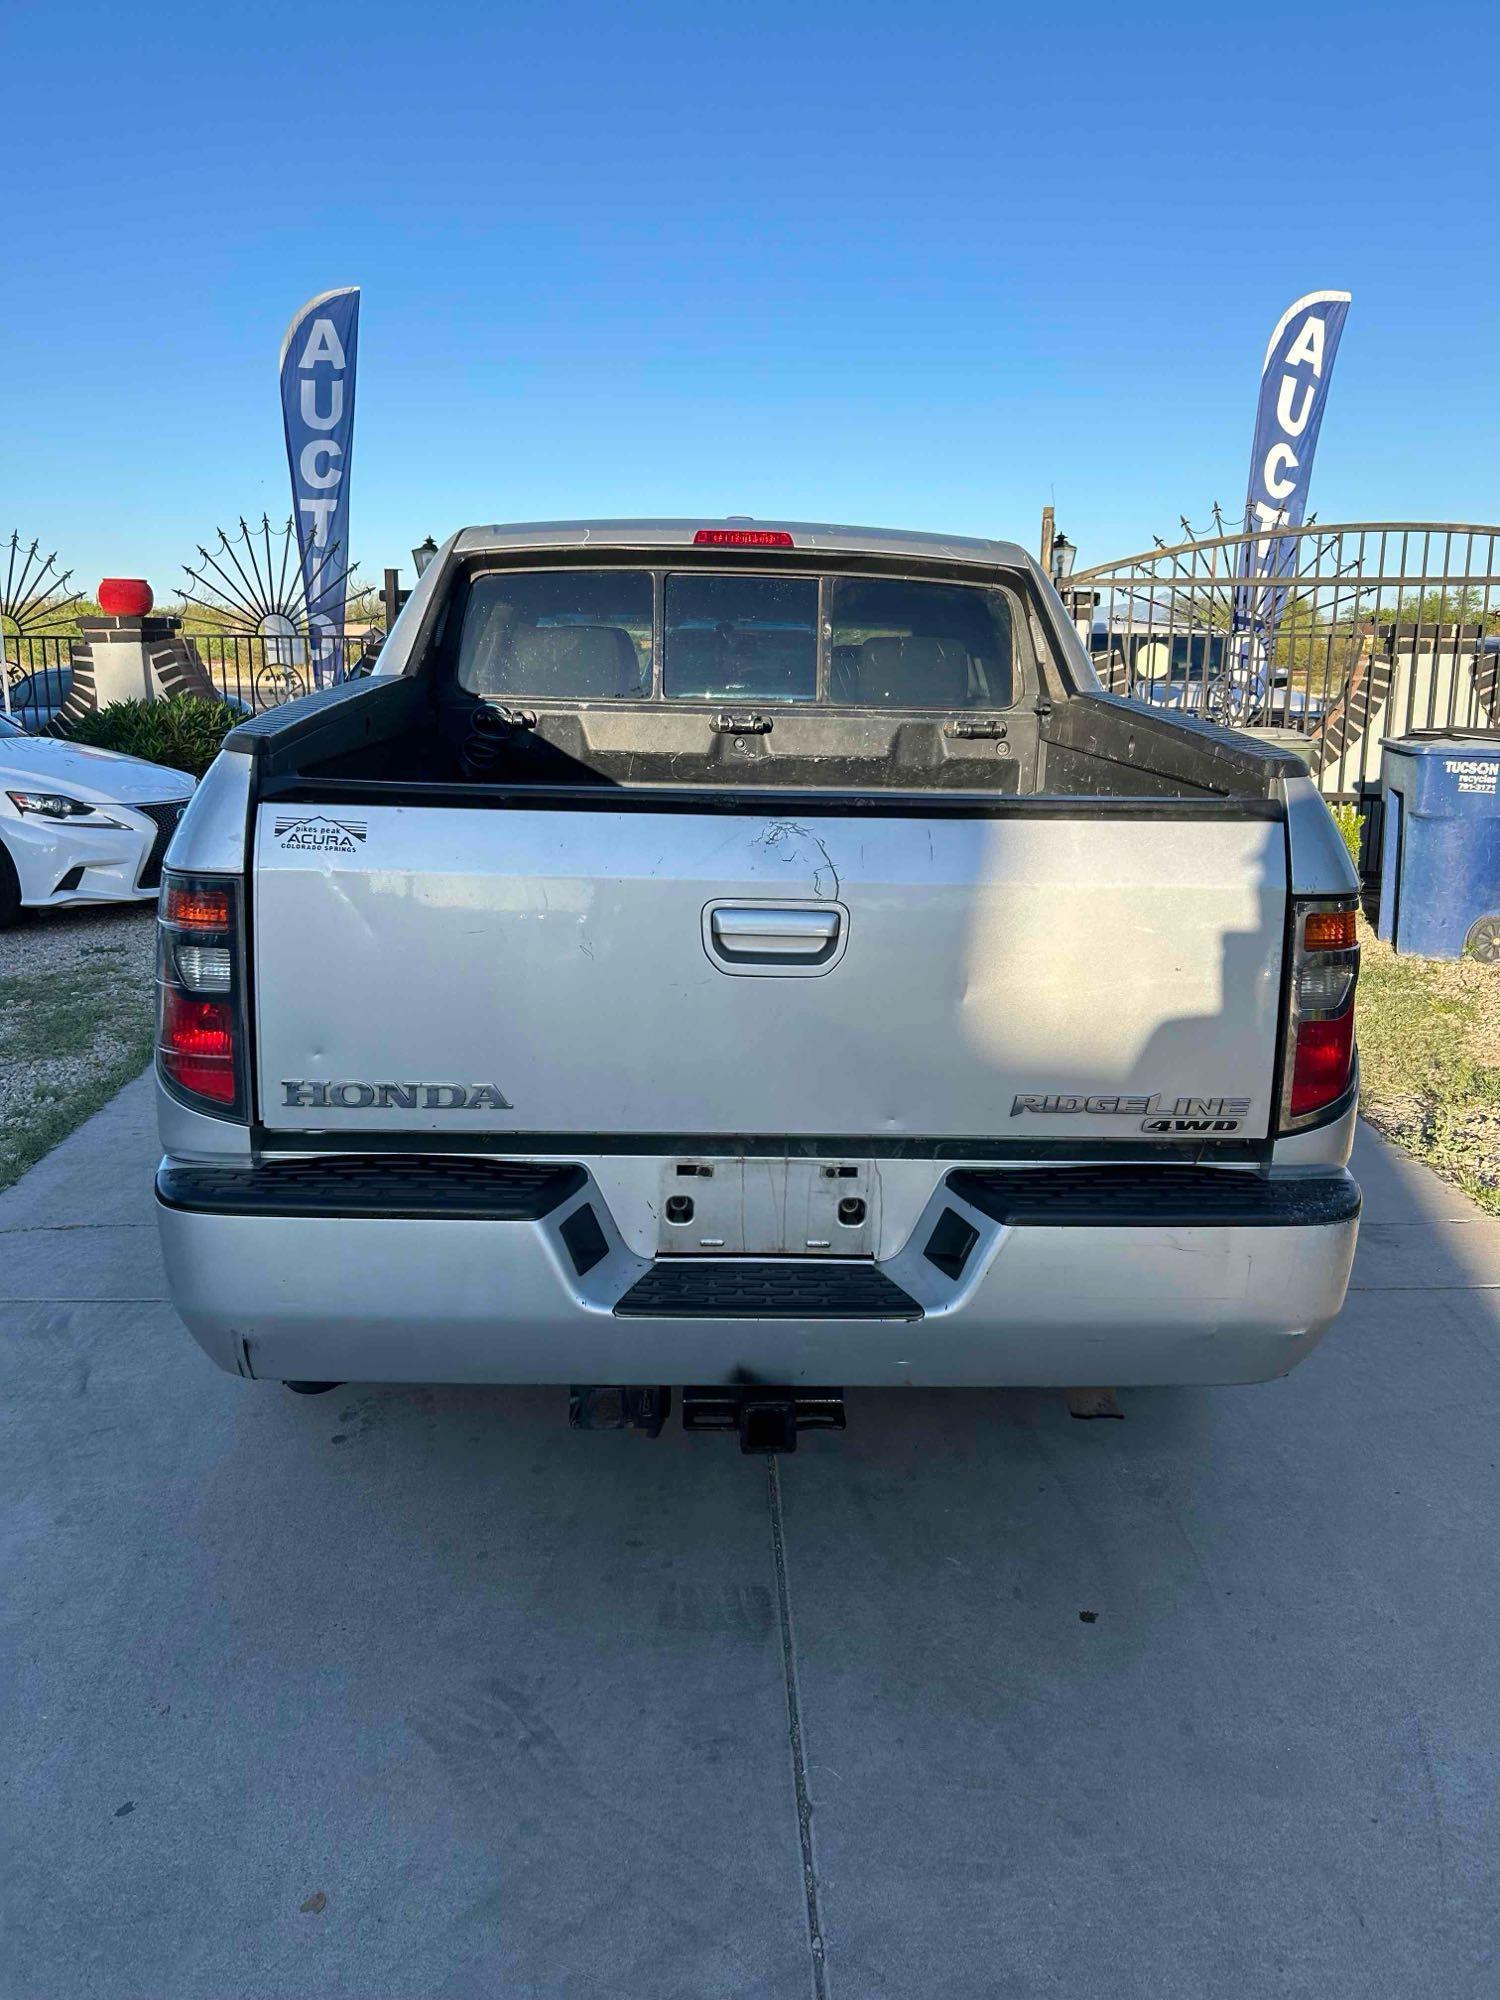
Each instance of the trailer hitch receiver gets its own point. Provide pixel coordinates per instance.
(766, 1415)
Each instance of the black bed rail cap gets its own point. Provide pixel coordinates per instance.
(258, 733)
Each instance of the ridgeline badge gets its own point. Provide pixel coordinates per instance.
(319, 835)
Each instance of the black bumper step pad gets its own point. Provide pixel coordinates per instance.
(405, 1187)
(765, 1288)
(1166, 1197)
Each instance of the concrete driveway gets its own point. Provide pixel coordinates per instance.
(404, 1692)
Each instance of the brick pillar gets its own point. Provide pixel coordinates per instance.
(132, 659)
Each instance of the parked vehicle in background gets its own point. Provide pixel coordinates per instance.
(80, 825)
(752, 958)
(1193, 673)
(36, 697)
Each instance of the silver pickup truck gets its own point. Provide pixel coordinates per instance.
(752, 959)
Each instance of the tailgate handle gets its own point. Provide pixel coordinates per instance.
(773, 937)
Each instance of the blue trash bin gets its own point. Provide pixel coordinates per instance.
(1440, 845)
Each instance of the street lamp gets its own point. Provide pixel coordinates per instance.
(422, 556)
(1063, 553)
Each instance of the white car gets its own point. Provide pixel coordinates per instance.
(80, 825)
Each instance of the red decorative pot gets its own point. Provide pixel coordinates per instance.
(125, 596)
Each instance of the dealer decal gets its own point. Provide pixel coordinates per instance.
(317, 834)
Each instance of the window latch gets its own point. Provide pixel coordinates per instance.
(988, 728)
(496, 715)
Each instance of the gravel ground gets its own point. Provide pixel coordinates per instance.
(76, 999)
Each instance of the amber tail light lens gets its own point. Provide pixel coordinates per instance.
(1330, 930)
(193, 903)
(1318, 1061)
(200, 1017)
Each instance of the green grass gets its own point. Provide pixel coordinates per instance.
(70, 1039)
(1429, 1050)
(1350, 822)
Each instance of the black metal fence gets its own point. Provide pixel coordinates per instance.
(259, 671)
(250, 672)
(1341, 635)
(36, 677)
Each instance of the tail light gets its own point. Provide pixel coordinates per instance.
(1318, 1061)
(200, 993)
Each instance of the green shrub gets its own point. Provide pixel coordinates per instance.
(184, 731)
(1350, 822)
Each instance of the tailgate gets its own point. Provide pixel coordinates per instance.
(609, 972)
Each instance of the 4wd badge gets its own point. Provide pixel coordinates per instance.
(318, 834)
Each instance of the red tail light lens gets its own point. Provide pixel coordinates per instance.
(200, 1037)
(1318, 1065)
(743, 538)
(197, 1046)
(1324, 1058)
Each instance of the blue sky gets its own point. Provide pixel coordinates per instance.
(917, 267)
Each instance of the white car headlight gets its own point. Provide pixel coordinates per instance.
(57, 805)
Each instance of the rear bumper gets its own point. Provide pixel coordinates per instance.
(1006, 1277)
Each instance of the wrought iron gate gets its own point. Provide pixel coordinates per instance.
(1364, 630)
(250, 671)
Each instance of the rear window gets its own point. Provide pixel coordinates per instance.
(866, 642)
(750, 636)
(577, 635)
(919, 645)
